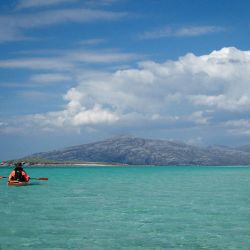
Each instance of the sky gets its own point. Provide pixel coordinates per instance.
(79, 71)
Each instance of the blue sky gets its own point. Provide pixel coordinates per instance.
(75, 71)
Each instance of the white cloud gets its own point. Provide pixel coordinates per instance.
(35, 95)
(67, 60)
(94, 116)
(49, 78)
(99, 56)
(222, 102)
(238, 127)
(74, 114)
(14, 26)
(80, 115)
(89, 42)
(189, 31)
(190, 91)
(198, 117)
(192, 81)
(101, 2)
(54, 17)
(198, 30)
(11, 129)
(37, 64)
(23, 4)
(9, 34)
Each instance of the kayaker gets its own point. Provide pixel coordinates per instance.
(19, 174)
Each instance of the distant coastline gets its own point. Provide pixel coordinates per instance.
(61, 164)
(96, 164)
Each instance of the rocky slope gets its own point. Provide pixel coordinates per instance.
(138, 151)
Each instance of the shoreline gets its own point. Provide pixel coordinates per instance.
(93, 165)
(67, 165)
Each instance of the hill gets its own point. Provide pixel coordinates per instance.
(139, 151)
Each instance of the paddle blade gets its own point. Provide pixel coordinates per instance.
(1, 177)
(40, 179)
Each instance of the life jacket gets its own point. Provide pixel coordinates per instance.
(19, 175)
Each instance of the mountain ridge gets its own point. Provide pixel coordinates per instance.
(140, 151)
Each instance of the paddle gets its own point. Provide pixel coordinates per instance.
(39, 179)
(1, 177)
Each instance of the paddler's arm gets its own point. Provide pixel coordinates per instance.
(12, 175)
(26, 176)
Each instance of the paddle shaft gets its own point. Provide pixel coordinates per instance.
(39, 179)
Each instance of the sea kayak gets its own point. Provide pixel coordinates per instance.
(18, 183)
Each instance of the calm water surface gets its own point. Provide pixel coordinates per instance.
(127, 208)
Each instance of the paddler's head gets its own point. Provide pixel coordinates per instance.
(18, 166)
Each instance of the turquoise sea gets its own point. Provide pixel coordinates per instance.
(127, 208)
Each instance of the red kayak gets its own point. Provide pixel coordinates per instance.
(18, 183)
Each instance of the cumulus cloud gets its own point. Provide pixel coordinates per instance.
(75, 114)
(219, 80)
(190, 91)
